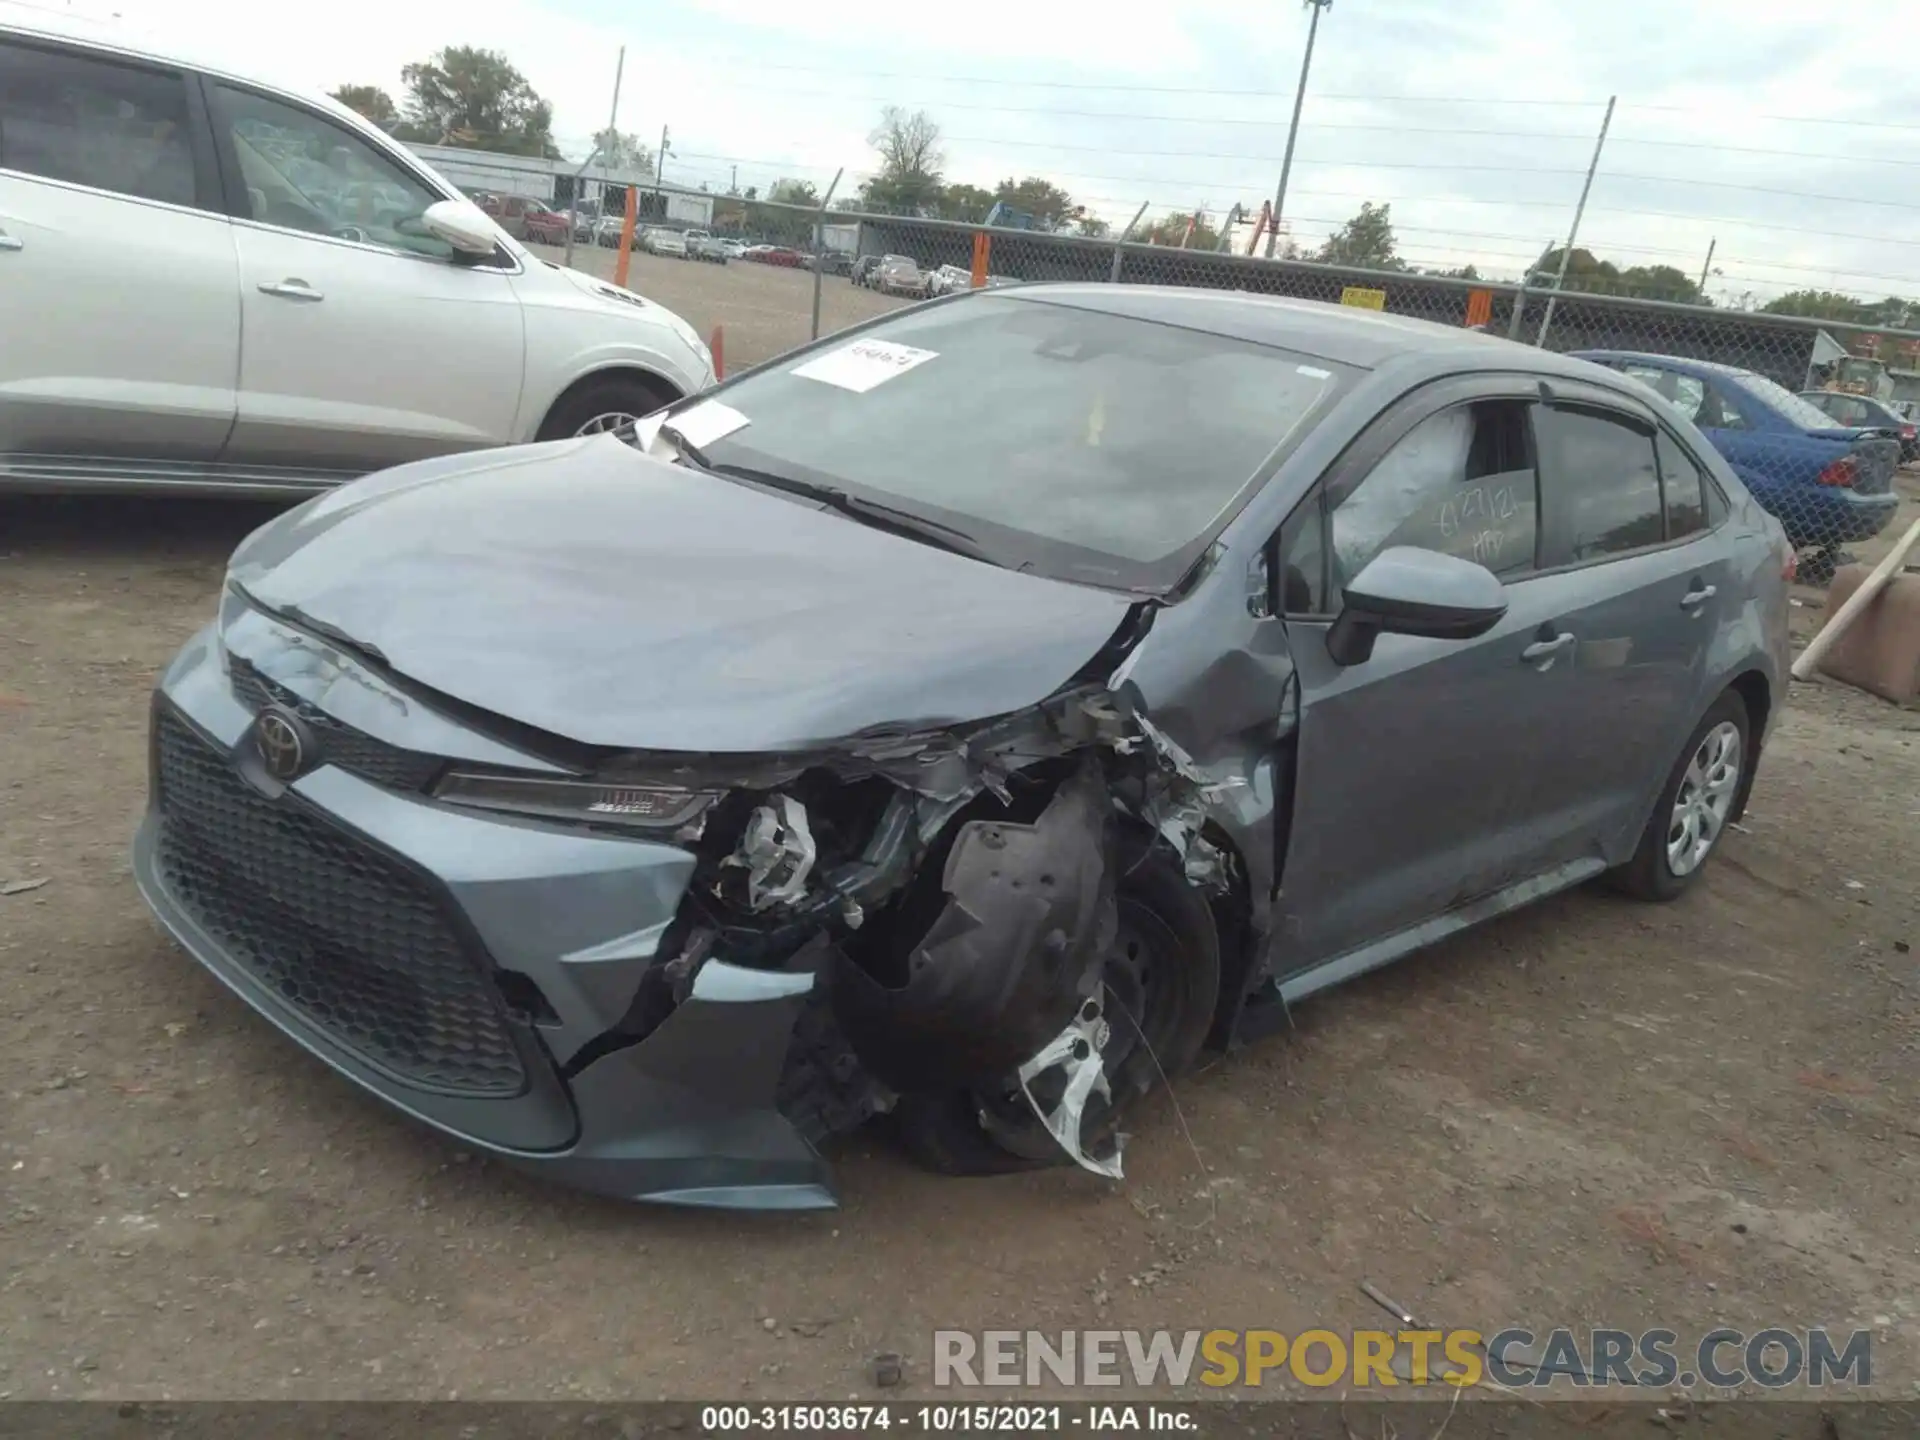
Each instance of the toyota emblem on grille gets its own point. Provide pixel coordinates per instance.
(283, 743)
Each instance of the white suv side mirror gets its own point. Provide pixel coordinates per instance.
(461, 225)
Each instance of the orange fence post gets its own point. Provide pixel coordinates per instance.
(1479, 308)
(626, 240)
(982, 250)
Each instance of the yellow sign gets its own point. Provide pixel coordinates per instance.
(1365, 299)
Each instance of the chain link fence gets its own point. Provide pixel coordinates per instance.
(1811, 414)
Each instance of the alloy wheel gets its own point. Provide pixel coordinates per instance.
(1705, 798)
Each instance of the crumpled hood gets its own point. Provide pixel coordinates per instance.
(587, 590)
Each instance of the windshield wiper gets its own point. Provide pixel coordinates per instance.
(855, 507)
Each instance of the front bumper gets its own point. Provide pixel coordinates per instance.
(393, 937)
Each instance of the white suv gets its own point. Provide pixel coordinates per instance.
(213, 285)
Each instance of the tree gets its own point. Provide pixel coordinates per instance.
(1817, 305)
(1051, 207)
(473, 97)
(910, 162)
(964, 202)
(1092, 226)
(794, 192)
(1464, 272)
(372, 102)
(1175, 227)
(620, 150)
(1364, 242)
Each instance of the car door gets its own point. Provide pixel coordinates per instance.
(364, 341)
(1418, 769)
(1638, 581)
(119, 286)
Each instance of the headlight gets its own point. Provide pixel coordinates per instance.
(645, 807)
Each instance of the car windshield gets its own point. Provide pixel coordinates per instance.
(1092, 447)
(1803, 413)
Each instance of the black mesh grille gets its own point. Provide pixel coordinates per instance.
(342, 934)
(341, 745)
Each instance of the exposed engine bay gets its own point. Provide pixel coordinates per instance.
(957, 893)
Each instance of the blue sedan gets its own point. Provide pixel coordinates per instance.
(1828, 485)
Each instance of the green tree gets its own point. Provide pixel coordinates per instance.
(1365, 242)
(908, 181)
(1092, 226)
(1816, 304)
(621, 150)
(372, 102)
(965, 202)
(1464, 272)
(1051, 207)
(1175, 227)
(1661, 282)
(794, 192)
(468, 96)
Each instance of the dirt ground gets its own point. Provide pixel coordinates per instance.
(764, 309)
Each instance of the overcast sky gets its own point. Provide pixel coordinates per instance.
(1790, 134)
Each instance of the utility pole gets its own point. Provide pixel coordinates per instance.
(579, 179)
(659, 173)
(1573, 233)
(1293, 130)
(733, 185)
(1707, 269)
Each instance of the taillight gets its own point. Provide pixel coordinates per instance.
(1839, 473)
(1907, 432)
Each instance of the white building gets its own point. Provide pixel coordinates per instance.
(552, 181)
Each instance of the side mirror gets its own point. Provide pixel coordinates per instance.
(462, 226)
(1407, 591)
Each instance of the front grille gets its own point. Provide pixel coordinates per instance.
(348, 938)
(339, 744)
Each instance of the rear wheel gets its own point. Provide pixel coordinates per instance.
(1695, 806)
(1159, 984)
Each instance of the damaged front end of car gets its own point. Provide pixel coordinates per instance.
(942, 909)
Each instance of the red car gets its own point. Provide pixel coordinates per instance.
(780, 255)
(548, 227)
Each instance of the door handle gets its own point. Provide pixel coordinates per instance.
(11, 242)
(1541, 652)
(1699, 595)
(291, 289)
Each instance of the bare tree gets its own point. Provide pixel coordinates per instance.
(910, 161)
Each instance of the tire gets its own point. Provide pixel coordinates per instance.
(1159, 912)
(596, 400)
(1652, 873)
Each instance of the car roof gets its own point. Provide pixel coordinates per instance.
(1348, 334)
(1682, 363)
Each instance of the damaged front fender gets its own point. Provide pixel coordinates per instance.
(1015, 948)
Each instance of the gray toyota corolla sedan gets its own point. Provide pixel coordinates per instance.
(966, 719)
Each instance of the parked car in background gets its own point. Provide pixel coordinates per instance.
(1864, 412)
(733, 249)
(863, 268)
(1830, 485)
(830, 262)
(898, 275)
(710, 248)
(948, 280)
(304, 334)
(782, 255)
(510, 212)
(664, 241)
(607, 231)
(547, 227)
(594, 714)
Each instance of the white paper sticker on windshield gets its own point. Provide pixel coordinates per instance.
(707, 422)
(863, 364)
(1313, 372)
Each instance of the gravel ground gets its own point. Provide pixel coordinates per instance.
(764, 309)
(1592, 1113)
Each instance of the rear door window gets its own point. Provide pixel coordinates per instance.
(1683, 488)
(1599, 484)
(96, 122)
